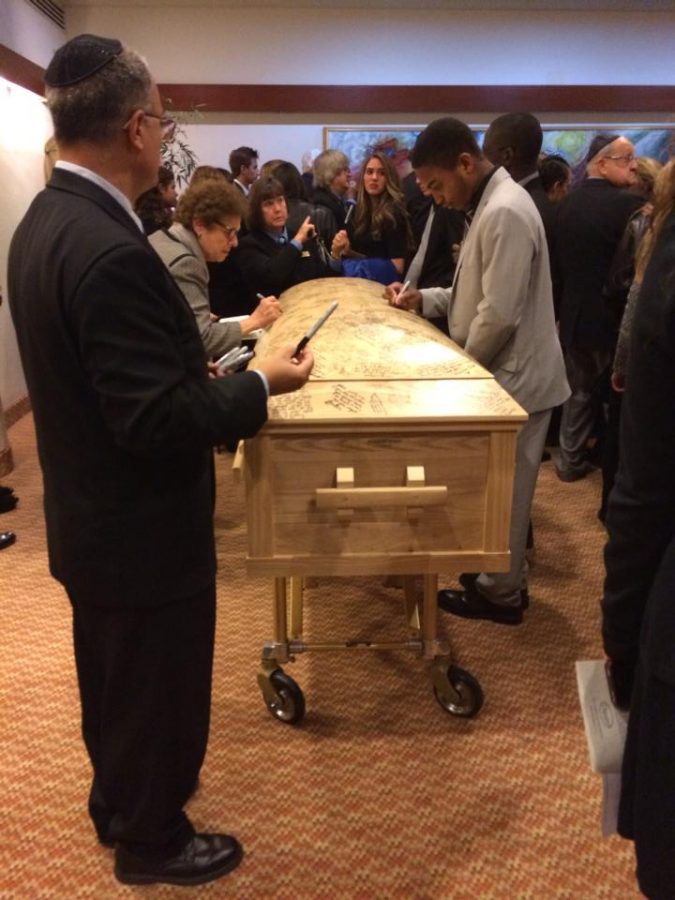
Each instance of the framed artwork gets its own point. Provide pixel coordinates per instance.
(571, 142)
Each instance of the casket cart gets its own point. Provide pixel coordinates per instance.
(395, 459)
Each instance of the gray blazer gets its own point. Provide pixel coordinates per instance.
(180, 252)
(500, 305)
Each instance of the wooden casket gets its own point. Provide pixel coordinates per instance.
(396, 458)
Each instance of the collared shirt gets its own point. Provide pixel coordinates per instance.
(245, 190)
(123, 201)
(104, 184)
(477, 195)
(528, 178)
(281, 238)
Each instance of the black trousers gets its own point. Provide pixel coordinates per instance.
(647, 807)
(145, 687)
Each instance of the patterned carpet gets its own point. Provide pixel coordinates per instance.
(380, 793)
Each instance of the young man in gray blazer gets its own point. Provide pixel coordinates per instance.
(500, 310)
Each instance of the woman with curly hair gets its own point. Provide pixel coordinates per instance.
(379, 230)
(205, 229)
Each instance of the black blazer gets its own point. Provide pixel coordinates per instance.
(641, 511)
(124, 411)
(335, 206)
(271, 268)
(589, 225)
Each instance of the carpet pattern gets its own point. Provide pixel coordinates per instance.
(379, 793)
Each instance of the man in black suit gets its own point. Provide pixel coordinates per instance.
(590, 223)
(638, 613)
(244, 168)
(126, 416)
(514, 141)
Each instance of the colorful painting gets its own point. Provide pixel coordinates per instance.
(571, 142)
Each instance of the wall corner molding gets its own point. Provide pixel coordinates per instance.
(419, 99)
(21, 71)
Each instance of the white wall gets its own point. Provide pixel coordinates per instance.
(25, 128)
(352, 46)
(28, 32)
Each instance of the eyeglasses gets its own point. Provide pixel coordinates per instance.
(623, 160)
(167, 125)
(229, 232)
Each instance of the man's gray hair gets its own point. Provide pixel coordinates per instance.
(96, 109)
(327, 165)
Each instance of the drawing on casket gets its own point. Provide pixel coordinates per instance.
(365, 338)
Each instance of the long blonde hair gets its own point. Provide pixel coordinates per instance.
(664, 203)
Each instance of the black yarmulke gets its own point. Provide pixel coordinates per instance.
(79, 58)
(599, 142)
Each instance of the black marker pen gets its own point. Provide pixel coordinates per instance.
(315, 327)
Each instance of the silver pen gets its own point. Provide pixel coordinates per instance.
(404, 288)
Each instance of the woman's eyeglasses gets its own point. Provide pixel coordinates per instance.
(229, 232)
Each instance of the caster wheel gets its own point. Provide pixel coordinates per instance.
(289, 704)
(471, 695)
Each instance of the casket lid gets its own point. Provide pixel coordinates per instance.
(375, 363)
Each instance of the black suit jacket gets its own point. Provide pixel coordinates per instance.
(641, 511)
(337, 209)
(589, 225)
(546, 208)
(124, 411)
(271, 268)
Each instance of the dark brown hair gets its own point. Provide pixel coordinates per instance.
(264, 189)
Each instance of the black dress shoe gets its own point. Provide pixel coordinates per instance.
(7, 538)
(468, 581)
(8, 501)
(471, 604)
(575, 473)
(204, 858)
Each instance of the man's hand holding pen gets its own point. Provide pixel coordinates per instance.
(403, 296)
(285, 371)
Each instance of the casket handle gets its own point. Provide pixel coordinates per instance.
(415, 495)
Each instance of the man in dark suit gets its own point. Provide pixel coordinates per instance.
(514, 141)
(590, 223)
(244, 168)
(638, 621)
(126, 416)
